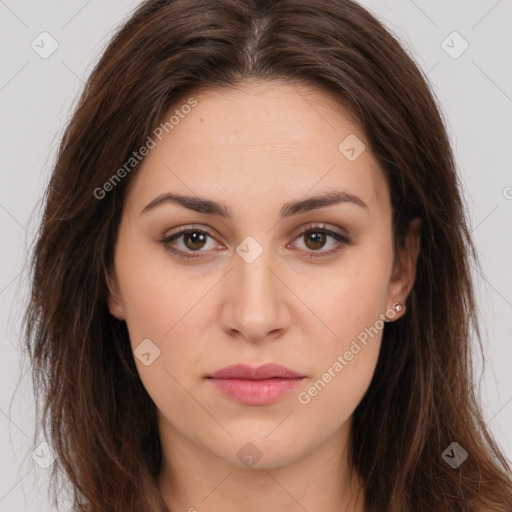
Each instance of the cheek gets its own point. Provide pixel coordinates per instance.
(164, 314)
(351, 307)
(354, 295)
(344, 365)
(156, 297)
(164, 325)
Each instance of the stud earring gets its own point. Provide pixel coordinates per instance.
(397, 308)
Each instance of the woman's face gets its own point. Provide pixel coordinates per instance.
(249, 288)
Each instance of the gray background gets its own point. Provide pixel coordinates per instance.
(37, 96)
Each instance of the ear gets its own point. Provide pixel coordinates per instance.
(114, 302)
(404, 270)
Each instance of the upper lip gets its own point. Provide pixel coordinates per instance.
(266, 371)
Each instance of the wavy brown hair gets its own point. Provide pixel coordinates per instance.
(91, 403)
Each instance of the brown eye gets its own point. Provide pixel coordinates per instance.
(316, 238)
(194, 240)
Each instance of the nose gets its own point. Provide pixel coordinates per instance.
(256, 299)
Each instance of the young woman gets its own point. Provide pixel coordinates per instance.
(251, 285)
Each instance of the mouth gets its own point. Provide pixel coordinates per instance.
(255, 386)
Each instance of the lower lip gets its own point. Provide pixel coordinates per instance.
(255, 392)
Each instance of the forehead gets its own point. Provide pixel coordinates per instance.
(262, 140)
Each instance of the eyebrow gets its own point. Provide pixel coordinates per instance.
(210, 207)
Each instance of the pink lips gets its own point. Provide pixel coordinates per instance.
(255, 386)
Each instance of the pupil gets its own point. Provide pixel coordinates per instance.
(317, 239)
(197, 238)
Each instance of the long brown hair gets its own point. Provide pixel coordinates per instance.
(92, 406)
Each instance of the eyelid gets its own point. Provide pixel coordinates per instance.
(324, 227)
(191, 227)
(341, 238)
(178, 232)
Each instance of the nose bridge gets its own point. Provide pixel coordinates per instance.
(255, 292)
(256, 283)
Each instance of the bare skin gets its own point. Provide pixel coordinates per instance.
(301, 303)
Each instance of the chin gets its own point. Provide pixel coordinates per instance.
(258, 453)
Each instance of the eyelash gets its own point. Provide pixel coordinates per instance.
(342, 241)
